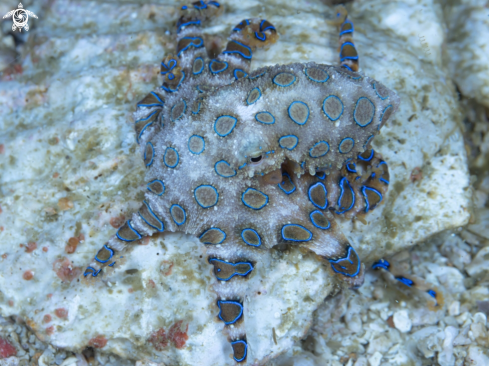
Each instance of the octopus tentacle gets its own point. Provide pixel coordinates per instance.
(147, 221)
(320, 233)
(348, 53)
(191, 53)
(360, 186)
(245, 37)
(231, 273)
(394, 275)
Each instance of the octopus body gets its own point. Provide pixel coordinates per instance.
(247, 160)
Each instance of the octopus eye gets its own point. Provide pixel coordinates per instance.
(256, 159)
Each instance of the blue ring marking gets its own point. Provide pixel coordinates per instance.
(245, 352)
(184, 7)
(326, 113)
(94, 273)
(111, 255)
(314, 222)
(215, 3)
(206, 186)
(216, 61)
(224, 162)
(203, 144)
(146, 126)
(198, 89)
(345, 140)
(316, 144)
(183, 112)
(170, 90)
(256, 100)
(198, 110)
(350, 248)
(284, 147)
(347, 57)
(308, 112)
(352, 168)
(341, 184)
(142, 131)
(239, 29)
(265, 123)
(257, 235)
(261, 38)
(112, 264)
(282, 85)
(168, 67)
(321, 175)
(242, 166)
(317, 81)
(202, 5)
(164, 157)
(384, 180)
(171, 76)
(382, 115)
(213, 228)
(198, 44)
(296, 225)
(234, 265)
(257, 76)
(184, 214)
(231, 130)
(285, 174)
(154, 215)
(239, 52)
(193, 22)
(347, 67)
(256, 190)
(201, 69)
(267, 28)
(405, 281)
(355, 111)
(373, 175)
(152, 154)
(154, 104)
(376, 92)
(236, 71)
(157, 180)
(348, 30)
(432, 293)
(364, 192)
(368, 140)
(314, 185)
(146, 118)
(366, 159)
(219, 302)
(132, 229)
(381, 264)
(382, 162)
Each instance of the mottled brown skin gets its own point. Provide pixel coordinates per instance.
(249, 160)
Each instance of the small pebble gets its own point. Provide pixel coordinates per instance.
(375, 359)
(480, 318)
(65, 204)
(454, 308)
(402, 321)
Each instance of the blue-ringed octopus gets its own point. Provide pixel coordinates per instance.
(247, 160)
